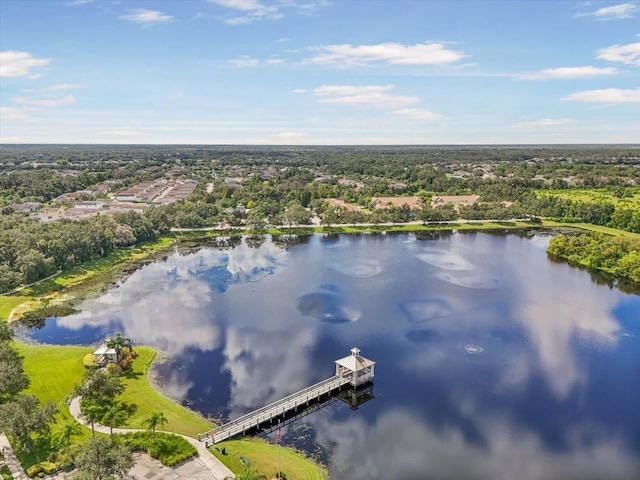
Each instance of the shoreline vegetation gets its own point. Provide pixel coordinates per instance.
(62, 292)
(57, 296)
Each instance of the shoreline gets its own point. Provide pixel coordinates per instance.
(81, 282)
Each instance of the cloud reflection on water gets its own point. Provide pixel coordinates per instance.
(557, 319)
(401, 445)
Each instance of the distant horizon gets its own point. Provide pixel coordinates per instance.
(316, 72)
(324, 145)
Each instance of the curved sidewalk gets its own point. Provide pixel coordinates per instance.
(218, 469)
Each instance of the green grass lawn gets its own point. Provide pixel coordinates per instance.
(8, 303)
(140, 392)
(53, 370)
(590, 227)
(263, 456)
(597, 195)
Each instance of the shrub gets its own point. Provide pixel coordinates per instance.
(89, 361)
(5, 473)
(42, 469)
(169, 449)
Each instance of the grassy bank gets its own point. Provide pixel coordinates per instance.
(590, 228)
(82, 281)
(263, 456)
(8, 303)
(53, 370)
(140, 392)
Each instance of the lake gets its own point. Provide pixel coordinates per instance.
(493, 362)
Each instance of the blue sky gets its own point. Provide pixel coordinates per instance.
(319, 71)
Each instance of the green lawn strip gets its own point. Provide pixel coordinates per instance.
(8, 303)
(590, 227)
(140, 392)
(594, 195)
(54, 371)
(263, 456)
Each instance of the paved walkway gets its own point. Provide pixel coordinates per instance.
(11, 460)
(218, 469)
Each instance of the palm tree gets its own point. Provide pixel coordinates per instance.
(118, 343)
(116, 415)
(154, 420)
(92, 413)
(68, 430)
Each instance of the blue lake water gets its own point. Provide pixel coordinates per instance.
(493, 362)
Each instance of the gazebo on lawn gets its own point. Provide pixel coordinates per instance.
(105, 355)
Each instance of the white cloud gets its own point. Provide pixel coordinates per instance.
(244, 61)
(17, 64)
(607, 95)
(568, 73)
(374, 99)
(12, 113)
(55, 88)
(283, 40)
(147, 17)
(46, 102)
(253, 10)
(74, 3)
(628, 54)
(363, 95)
(350, 89)
(120, 133)
(418, 114)
(10, 140)
(614, 12)
(299, 90)
(543, 122)
(386, 53)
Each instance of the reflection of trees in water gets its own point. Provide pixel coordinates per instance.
(255, 241)
(435, 235)
(599, 277)
(286, 240)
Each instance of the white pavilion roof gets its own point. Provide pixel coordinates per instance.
(355, 362)
(104, 350)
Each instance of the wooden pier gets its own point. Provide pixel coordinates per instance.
(353, 370)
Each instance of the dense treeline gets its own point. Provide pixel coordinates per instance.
(31, 250)
(21, 415)
(617, 255)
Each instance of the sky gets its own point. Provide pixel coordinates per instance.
(319, 72)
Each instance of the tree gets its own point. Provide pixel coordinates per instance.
(116, 415)
(92, 413)
(6, 332)
(154, 420)
(100, 459)
(100, 388)
(12, 377)
(64, 435)
(23, 416)
(118, 342)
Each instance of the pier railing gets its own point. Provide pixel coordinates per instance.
(276, 409)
